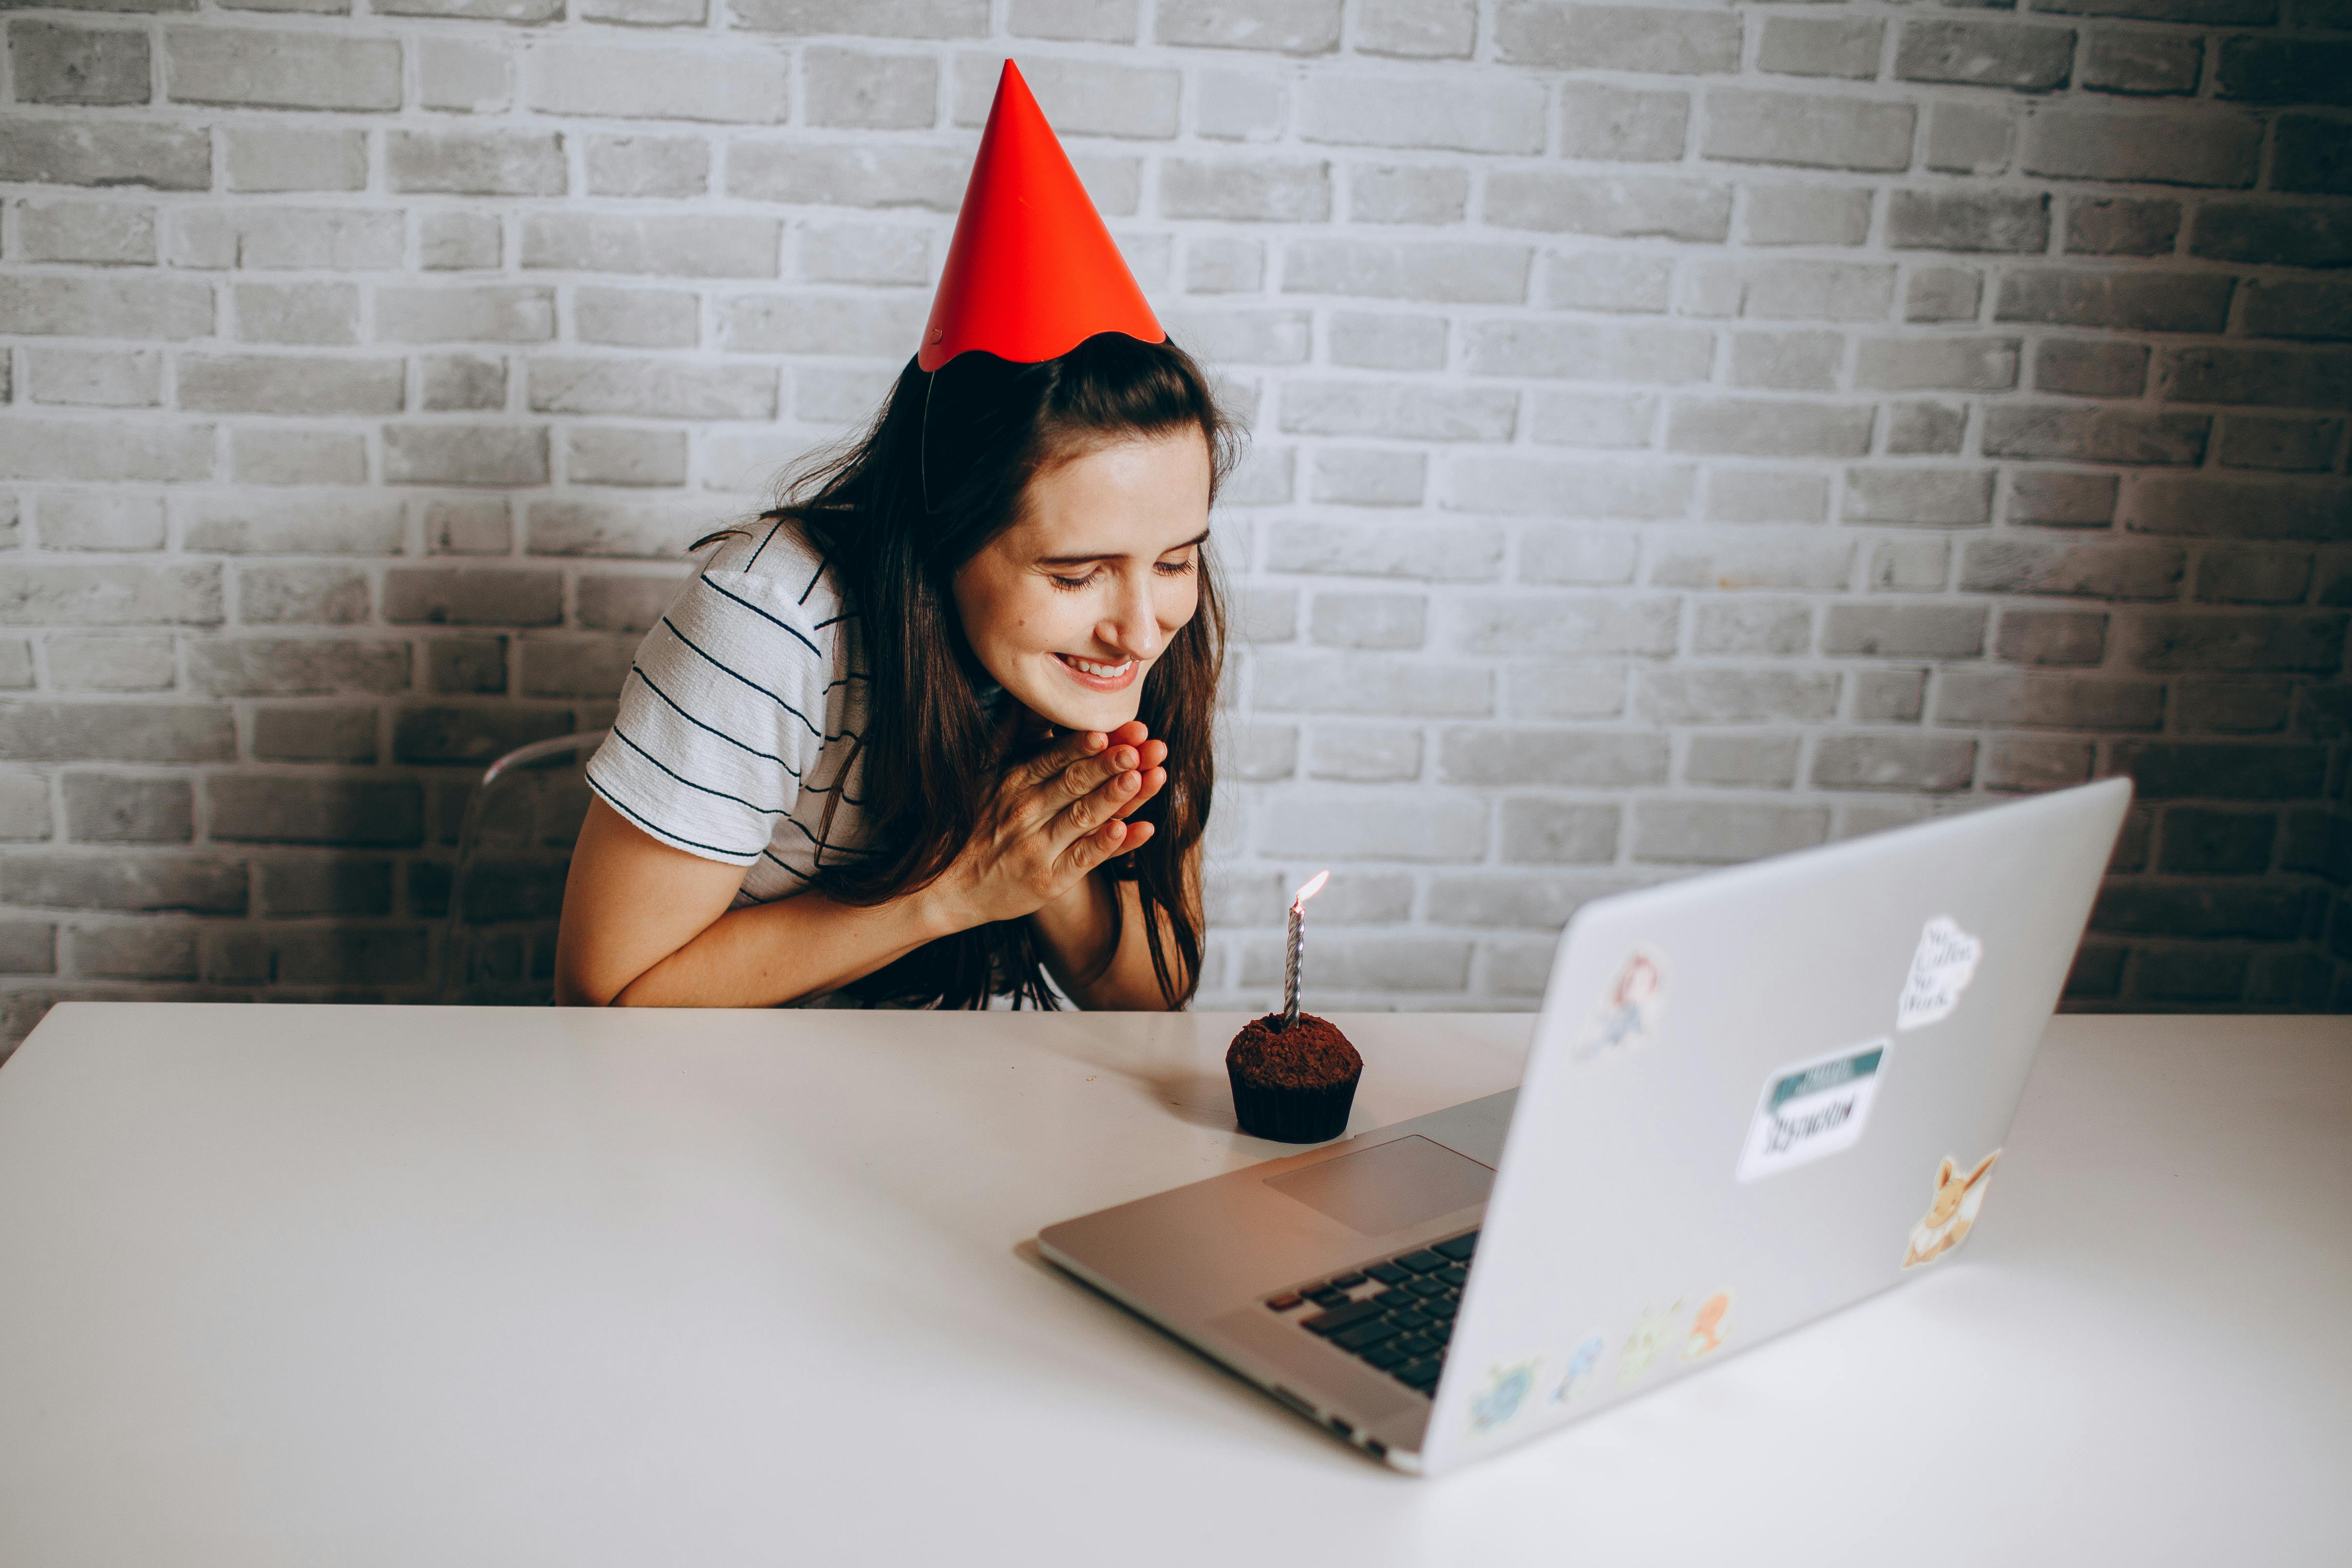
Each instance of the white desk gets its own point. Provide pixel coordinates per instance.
(347, 1287)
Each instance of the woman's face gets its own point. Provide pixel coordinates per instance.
(1070, 606)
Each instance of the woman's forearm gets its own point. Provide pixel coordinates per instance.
(767, 954)
(1073, 935)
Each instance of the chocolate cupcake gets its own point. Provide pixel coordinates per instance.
(1294, 1085)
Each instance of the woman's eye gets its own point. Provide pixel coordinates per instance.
(1072, 585)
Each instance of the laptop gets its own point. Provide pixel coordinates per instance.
(1753, 1096)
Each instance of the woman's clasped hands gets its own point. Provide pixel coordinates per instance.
(1054, 817)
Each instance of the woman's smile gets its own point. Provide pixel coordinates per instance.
(1099, 676)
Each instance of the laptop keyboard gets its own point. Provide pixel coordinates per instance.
(1395, 1315)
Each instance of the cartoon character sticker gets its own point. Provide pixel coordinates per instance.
(1941, 968)
(1507, 1388)
(1953, 1214)
(1707, 1326)
(1628, 1016)
(1653, 1334)
(1583, 1362)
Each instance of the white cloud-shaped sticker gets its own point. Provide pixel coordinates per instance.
(1940, 970)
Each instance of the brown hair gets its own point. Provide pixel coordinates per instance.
(898, 511)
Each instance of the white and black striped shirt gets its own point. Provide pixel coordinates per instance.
(736, 737)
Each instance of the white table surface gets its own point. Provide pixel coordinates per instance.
(345, 1286)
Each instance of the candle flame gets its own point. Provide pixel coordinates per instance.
(1313, 886)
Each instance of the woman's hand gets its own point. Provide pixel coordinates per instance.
(1052, 819)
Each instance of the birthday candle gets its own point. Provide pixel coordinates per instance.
(1313, 886)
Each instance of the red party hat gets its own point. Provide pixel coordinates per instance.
(1032, 272)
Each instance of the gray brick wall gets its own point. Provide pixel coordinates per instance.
(1683, 433)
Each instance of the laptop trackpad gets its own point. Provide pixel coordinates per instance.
(1397, 1184)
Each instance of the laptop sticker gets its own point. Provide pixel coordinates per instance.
(1653, 1335)
(1707, 1327)
(1507, 1388)
(1628, 1016)
(1954, 1212)
(1941, 968)
(1583, 1362)
(1810, 1111)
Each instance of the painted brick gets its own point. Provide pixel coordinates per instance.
(55, 64)
(2286, 445)
(1940, 363)
(1620, 125)
(253, 69)
(143, 884)
(1759, 428)
(2240, 509)
(1970, 138)
(2239, 644)
(2093, 435)
(2051, 636)
(1660, 355)
(2205, 148)
(1985, 54)
(1745, 126)
(1534, 487)
(1389, 195)
(2296, 308)
(1580, 626)
(1335, 683)
(2141, 64)
(1428, 269)
(39, 731)
(2271, 233)
(2130, 301)
(2047, 701)
(673, 244)
(1610, 207)
(1536, 831)
(1365, 108)
(95, 378)
(1927, 497)
(2174, 770)
(1583, 759)
(2098, 569)
(635, 81)
(1905, 631)
(1808, 45)
(1712, 696)
(1969, 221)
(1709, 832)
(1784, 213)
(2060, 497)
(477, 163)
(2122, 226)
(1392, 824)
(2090, 367)
(1928, 764)
(1365, 753)
(1459, 553)
(105, 153)
(1552, 36)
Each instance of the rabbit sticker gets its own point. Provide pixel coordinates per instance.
(1953, 1214)
(1652, 1333)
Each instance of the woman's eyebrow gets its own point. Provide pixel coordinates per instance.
(1113, 555)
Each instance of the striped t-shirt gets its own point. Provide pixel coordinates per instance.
(736, 737)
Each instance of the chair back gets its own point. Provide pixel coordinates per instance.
(514, 851)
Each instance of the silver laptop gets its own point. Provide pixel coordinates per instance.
(1753, 1096)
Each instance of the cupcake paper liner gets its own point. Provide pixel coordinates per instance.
(1293, 1115)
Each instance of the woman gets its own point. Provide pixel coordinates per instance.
(937, 727)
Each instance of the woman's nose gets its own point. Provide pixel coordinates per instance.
(1134, 626)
